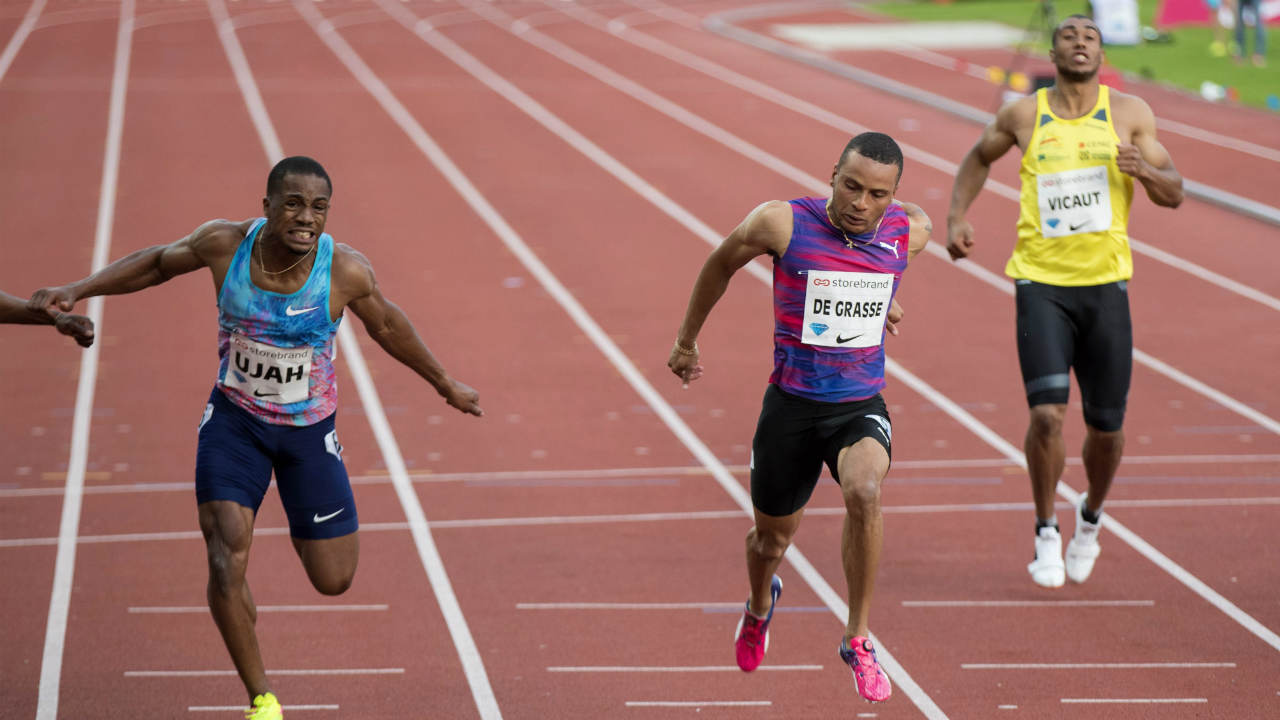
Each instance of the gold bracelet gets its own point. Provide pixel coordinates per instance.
(682, 350)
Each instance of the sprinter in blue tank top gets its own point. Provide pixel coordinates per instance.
(837, 263)
(281, 285)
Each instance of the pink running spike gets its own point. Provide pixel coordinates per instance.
(873, 684)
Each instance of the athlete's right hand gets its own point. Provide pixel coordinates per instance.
(463, 397)
(53, 301)
(959, 238)
(684, 365)
(79, 327)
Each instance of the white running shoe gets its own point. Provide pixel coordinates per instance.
(1083, 549)
(1047, 569)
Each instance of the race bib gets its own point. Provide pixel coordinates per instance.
(845, 309)
(1074, 201)
(278, 375)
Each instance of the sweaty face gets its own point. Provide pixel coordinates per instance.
(1077, 51)
(861, 189)
(296, 214)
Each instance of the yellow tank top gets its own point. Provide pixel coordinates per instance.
(1072, 229)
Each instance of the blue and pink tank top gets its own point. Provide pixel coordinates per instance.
(276, 351)
(831, 295)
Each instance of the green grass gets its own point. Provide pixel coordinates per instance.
(1184, 61)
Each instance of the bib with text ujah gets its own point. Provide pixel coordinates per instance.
(845, 309)
(1074, 201)
(272, 374)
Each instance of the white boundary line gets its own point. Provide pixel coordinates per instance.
(575, 139)
(202, 609)
(818, 114)
(69, 525)
(307, 672)
(20, 36)
(1026, 603)
(1097, 666)
(428, 555)
(672, 669)
(1133, 701)
(698, 704)
(580, 316)
(240, 708)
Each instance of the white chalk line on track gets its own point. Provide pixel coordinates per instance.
(1132, 701)
(433, 564)
(19, 36)
(802, 107)
(240, 708)
(786, 170)
(1025, 603)
(284, 672)
(579, 142)
(681, 516)
(1098, 666)
(202, 609)
(674, 669)
(697, 704)
(69, 524)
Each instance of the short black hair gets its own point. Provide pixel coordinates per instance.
(295, 165)
(875, 146)
(1054, 37)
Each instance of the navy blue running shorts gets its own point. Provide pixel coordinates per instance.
(237, 453)
(796, 435)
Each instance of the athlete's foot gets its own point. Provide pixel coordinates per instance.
(860, 655)
(1047, 569)
(751, 639)
(265, 707)
(1083, 549)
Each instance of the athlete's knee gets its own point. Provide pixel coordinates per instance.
(333, 584)
(1046, 420)
(1104, 420)
(767, 543)
(861, 490)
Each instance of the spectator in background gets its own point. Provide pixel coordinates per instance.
(1219, 11)
(1259, 32)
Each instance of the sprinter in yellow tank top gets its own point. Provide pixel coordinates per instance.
(1083, 146)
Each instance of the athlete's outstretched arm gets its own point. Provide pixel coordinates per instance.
(921, 228)
(143, 268)
(14, 310)
(1147, 160)
(766, 229)
(996, 140)
(388, 325)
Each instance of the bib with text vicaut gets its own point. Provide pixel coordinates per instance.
(1074, 201)
(278, 375)
(846, 309)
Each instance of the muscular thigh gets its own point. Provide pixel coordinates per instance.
(1104, 355)
(314, 487)
(786, 454)
(232, 461)
(1046, 341)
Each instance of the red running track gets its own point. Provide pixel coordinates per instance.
(574, 489)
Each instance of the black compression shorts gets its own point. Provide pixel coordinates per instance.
(1086, 328)
(795, 436)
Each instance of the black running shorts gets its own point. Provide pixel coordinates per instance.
(1086, 328)
(795, 436)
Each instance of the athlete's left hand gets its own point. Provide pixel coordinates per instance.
(893, 317)
(463, 397)
(1129, 159)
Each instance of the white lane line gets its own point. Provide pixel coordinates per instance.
(580, 316)
(240, 708)
(308, 672)
(698, 704)
(630, 606)
(791, 102)
(673, 669)
(579, 142)
(428, 555)
(69, 525)
(1097, 666)
(1026, 603)
(202, 609)
(651, 517)
(1137, 701)
(786, 170)
(20, 36)
(1006, 707)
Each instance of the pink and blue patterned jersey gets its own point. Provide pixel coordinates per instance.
(831, 295)
(276, 351)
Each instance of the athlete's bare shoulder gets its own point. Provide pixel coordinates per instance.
(1017, 116)
(352, 272)
(768, 226)
(217, 239)
(1131, 115)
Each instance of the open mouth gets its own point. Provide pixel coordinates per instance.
(304, 235)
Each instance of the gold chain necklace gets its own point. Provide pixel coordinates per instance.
(848, 241)
(265, 271)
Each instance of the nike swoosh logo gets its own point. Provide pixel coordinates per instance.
(259, 393)
(842, 339)
(291, 312)
(318, 518)
(1074, 228)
